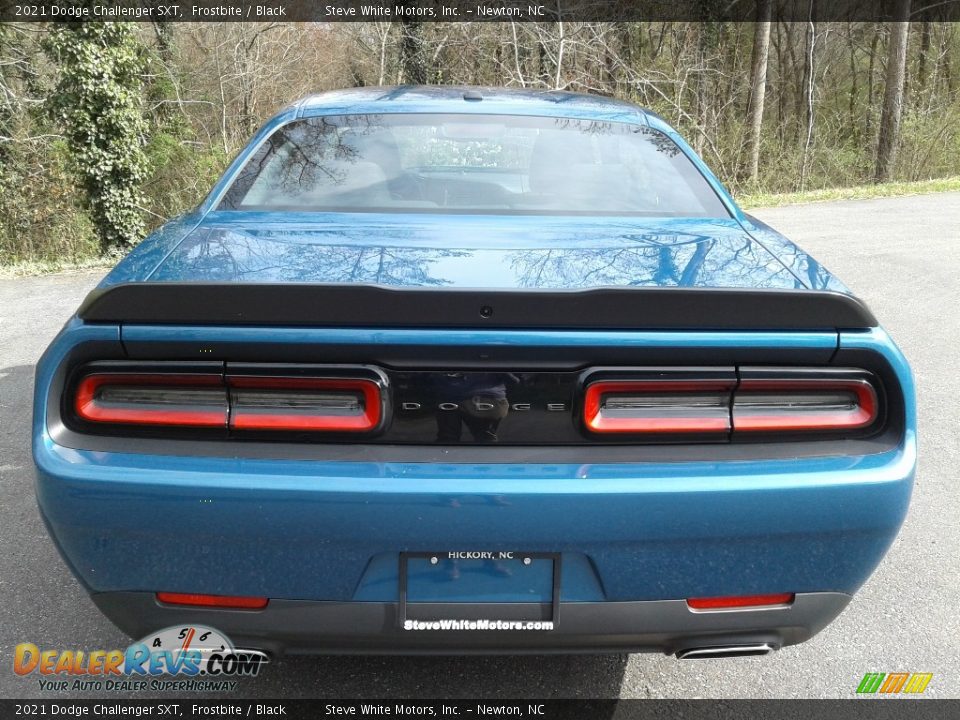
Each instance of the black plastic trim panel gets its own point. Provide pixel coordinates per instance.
(326, 628)
(343, 305)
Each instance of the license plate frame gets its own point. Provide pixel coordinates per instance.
(554, 557)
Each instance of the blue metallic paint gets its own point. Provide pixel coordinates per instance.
(824, 341)
(472, 251)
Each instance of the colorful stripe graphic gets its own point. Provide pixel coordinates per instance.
(893, 683)
(871, 682)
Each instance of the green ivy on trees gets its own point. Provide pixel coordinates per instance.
(98, 104)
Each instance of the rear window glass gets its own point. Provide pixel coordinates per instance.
(471, 163)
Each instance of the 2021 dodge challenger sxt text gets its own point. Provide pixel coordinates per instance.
(461, 370)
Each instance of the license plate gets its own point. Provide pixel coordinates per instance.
(494, 585)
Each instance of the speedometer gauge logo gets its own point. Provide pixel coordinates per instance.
(191, 650)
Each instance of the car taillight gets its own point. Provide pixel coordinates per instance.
(236, 402)
(808, 404)
(754, 402)
(331, 405)
(344, 402)
(658, 406)
(140, 399)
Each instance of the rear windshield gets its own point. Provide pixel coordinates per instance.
(471, 163)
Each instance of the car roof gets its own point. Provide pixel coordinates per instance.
(470, 99)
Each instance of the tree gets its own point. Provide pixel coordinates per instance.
(758, 87)
(889, 136)
(707, 40)
(412, 57)
(98, 103)
(809, 100)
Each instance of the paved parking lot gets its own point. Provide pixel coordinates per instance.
(902, 255)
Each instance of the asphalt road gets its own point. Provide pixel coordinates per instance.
(902, 255)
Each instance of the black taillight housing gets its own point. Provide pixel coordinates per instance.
(734, 403)
(353, 403)
(248, 400)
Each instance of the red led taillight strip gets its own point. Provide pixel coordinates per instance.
(658, 406)
(800, 405)
(178, 400)
(310, 404)
(741, 601)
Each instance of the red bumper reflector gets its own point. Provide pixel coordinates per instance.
(213, 601)
(743, 601)
(657, 406)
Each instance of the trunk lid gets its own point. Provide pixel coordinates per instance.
(459, 251)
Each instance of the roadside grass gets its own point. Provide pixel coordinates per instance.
(747, 201)
(858, 192)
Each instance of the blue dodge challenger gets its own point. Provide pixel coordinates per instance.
(470, 371)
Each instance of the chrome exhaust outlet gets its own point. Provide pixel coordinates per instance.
(725, 651)
(265, 657)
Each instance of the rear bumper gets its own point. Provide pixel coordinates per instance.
(309, 530)
(669, 626)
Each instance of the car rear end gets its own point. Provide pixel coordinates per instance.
(485, 487)
(506, 372)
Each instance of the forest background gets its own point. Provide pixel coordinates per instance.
(109, 129)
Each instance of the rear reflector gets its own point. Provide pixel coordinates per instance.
(178, 400)
(799, 405)
(743, 601)
(330, 405)
(213, 601)
(658, 406)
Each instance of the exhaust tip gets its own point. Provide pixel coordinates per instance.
(264, 655)
(725, 651)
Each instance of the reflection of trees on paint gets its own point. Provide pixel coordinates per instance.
(222, 256)
(636, 259)
(676, 261)
(809, 272)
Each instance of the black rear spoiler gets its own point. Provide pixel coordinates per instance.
(345, 305)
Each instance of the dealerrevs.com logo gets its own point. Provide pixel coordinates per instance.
(179, 658)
